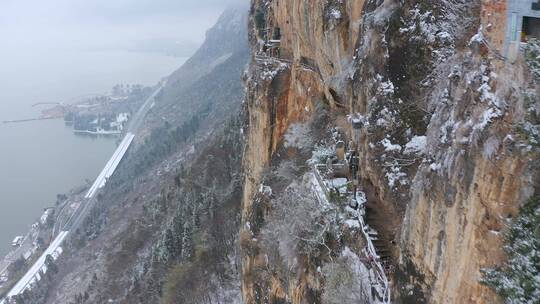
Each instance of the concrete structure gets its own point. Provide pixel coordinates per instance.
(111, 166)
(340, 150)
(523, 22)
(506, 23)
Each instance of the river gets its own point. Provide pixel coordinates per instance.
(40, 159)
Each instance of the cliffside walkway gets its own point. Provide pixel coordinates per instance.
(376, 259)
(266, 58)
(377, 252)
(379, 241)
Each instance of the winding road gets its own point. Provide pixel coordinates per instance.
(32, 275)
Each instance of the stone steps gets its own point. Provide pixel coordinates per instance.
(381, 244)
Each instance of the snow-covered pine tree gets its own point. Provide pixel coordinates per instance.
(518, 280)
(170, 245)
(187, 241)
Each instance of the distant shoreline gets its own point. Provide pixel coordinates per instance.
(106, 133)
(29, 119)
(97, 132)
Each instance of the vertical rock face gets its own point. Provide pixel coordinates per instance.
(463, 197)
(441, 157)
(493, 18)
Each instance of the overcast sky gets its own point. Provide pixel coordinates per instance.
(96, 24)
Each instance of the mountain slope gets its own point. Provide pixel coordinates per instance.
(378, 154)
(170, 211)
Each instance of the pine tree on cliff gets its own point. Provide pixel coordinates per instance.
(187, 241)
(518, 281)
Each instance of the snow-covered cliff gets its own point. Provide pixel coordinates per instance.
(444, 160)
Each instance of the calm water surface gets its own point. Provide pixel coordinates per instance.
(40, 159)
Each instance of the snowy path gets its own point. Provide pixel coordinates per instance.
(383, 288)
(381, 275)
(265, 58)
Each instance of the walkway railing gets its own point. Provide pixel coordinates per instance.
(375, 259)
(272, 59)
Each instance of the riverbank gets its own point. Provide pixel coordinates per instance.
(106, 133)
(41, 233)
(15, 262)
(28, 119)
(40, 159)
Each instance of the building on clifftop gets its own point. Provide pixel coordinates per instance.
(523, 19)
(507, 24)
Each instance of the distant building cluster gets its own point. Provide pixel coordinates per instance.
(99, 123)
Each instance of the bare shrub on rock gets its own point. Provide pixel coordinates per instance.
(346, 281)
(300, 224)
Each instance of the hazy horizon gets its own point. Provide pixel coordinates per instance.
(46, 44)
(102, 24)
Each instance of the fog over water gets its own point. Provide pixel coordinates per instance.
(59, 51)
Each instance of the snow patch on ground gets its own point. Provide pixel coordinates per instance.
(386, 88)
(266, 190)
(394, 175)
(335, 13)
(435, 167)
(338, 183)
(417, 145)
(352, 223)
(385, 118)
(389, 146)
